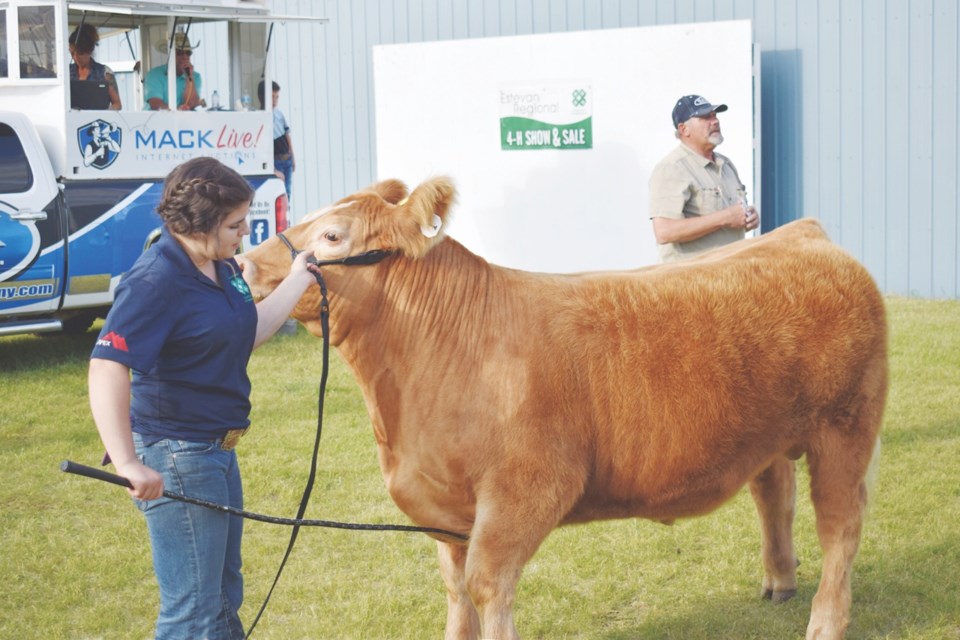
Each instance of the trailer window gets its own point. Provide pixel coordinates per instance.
(3, 43)
(38, 42)
(15, 174)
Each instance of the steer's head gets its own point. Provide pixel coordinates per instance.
(381, 217)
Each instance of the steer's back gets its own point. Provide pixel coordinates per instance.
(696, 375)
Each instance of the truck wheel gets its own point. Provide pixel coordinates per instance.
(79, 323)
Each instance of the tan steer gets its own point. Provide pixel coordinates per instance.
(507, 403)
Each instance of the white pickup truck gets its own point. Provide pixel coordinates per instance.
(79, 186)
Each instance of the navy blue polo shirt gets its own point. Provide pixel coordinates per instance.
(187, 341)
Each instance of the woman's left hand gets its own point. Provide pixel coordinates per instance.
(300, 264)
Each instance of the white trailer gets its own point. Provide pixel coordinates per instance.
(79, 181)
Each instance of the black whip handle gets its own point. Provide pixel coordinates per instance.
(68, 466)
(97, 474)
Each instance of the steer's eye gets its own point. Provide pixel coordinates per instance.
(331, 236)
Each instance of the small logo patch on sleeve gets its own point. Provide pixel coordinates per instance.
(114, 341)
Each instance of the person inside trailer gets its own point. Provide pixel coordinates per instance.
(82, 42)
(189, 81)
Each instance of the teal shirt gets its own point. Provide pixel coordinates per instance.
(155, 86)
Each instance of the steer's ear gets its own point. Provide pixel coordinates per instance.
(393, 191)
(425, 213)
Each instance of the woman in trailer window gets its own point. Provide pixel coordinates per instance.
(82, 42)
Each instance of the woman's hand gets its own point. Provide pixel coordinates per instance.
(273, 310)
(301, 266)
(147, 483)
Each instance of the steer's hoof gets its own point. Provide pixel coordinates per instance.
(778, 596)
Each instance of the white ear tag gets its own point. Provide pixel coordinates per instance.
(433, 229)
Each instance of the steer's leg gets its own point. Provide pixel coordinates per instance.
(838, 467)
(499, 548)
(463, 623)
(775, 490)
(513, 519)
(495, 592)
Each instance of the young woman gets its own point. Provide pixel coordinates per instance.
(184, 324)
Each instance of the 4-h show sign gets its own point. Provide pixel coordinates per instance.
(553, 116)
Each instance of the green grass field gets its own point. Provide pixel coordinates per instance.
(75, 559)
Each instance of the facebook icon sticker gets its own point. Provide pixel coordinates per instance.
(259, 232)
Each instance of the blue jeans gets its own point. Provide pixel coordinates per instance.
(286, 168)
(196, 550)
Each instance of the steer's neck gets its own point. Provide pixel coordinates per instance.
(413, 309)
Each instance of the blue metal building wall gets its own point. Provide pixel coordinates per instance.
(859, 107)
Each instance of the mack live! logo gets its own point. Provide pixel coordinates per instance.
(99, 143)
(228, 138)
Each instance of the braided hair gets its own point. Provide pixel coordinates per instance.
(199, 194)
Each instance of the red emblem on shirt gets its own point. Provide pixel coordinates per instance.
(114, 340)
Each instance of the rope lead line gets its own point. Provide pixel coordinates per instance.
(325, 327)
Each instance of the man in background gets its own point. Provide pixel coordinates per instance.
(283, 161)
(697, 201)
(188, 81)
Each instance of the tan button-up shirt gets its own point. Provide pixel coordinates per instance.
(685, 184)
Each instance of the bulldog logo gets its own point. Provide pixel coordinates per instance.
(99, 143)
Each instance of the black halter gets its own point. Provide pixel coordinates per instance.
(368, 257)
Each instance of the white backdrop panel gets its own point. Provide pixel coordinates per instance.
(560, 211)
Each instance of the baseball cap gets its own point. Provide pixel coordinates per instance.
(693, 106)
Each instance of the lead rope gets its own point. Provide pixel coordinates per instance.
(325, 331)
